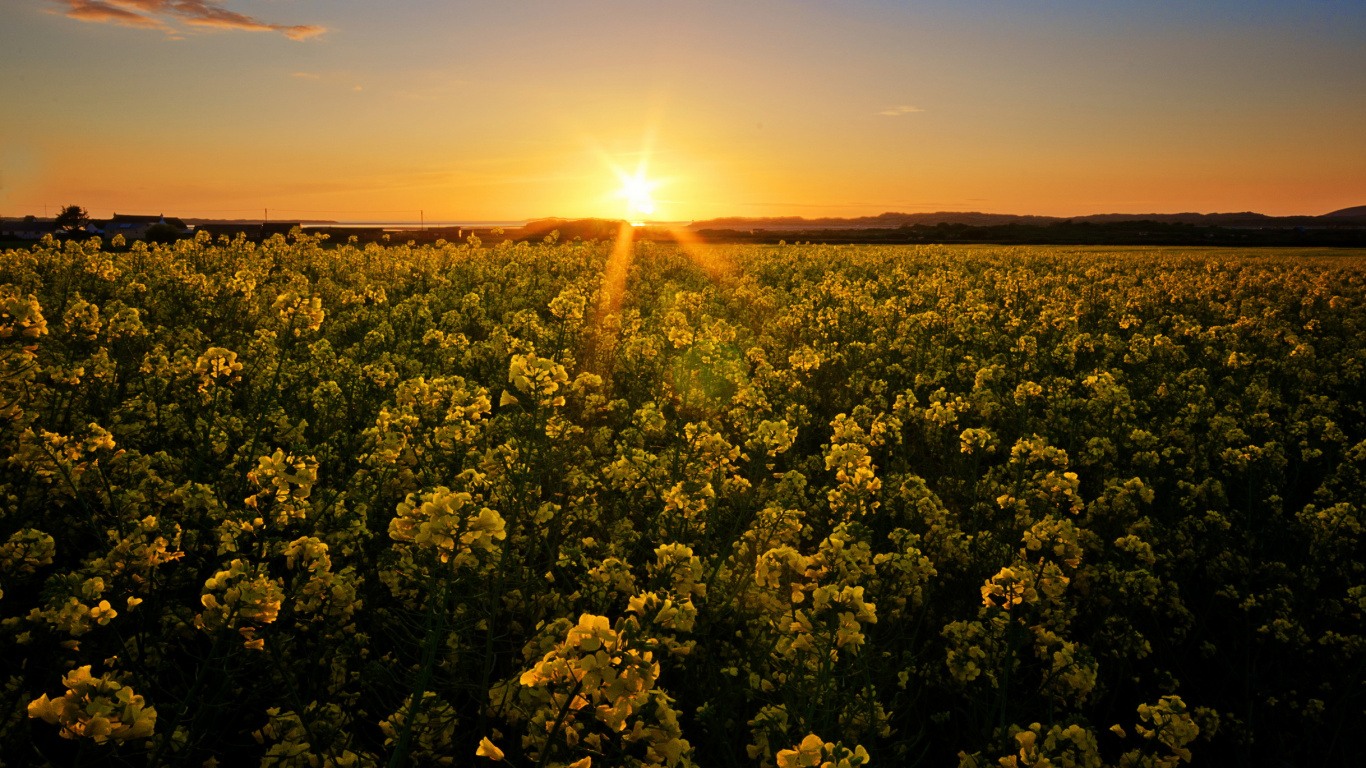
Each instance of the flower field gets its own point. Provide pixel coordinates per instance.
(571, 504)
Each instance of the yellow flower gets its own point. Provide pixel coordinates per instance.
(488, 749)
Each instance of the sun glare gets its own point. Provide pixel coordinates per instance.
(638, 185)
(636, 190)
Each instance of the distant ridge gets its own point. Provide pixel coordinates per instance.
(1359, 212)
(978, 219)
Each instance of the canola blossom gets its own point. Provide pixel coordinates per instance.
(301, 503)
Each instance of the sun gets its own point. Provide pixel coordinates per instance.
(637, 185)
(636, 190)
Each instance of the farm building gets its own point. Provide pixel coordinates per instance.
(29, 228)
(134, 227)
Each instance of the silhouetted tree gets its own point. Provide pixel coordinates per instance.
(72, 218)
(162, 233)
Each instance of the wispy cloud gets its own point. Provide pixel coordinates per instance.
(901, 110)
(111, 14)
(157, 14)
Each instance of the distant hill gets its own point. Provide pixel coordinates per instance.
(1358, 212)
(972, 219)
(978, 219)
(586, 229)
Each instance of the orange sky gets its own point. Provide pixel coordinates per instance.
(340, 111)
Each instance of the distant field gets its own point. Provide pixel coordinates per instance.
(645, 505)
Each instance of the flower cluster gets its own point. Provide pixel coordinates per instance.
(435, 521)
(612, 504)
(96, 708)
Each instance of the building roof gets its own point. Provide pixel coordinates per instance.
(126, 221)
(28, 226)
(122, 218)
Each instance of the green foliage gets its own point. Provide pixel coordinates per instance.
(161, 232)
(771, 506)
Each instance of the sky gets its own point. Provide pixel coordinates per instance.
(454, 110)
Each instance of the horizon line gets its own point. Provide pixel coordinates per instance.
(807, 217)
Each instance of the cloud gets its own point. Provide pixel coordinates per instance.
(902, 110)
(155, 14)
(306, 75)
(109, 14)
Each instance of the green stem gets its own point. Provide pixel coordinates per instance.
(436, 616)
(559, 720)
